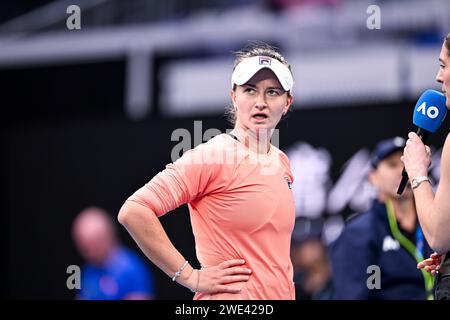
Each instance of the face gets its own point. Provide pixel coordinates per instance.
(387, 176)
(309, 259)
(93, 238)
(260, 102)
(443, 75)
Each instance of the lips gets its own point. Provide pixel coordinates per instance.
(260, 116)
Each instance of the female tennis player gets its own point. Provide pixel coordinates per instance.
(238, 190)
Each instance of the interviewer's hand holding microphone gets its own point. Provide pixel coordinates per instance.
(416, 156)
(429, 114)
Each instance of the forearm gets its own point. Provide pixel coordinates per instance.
(424, 198)
(146, 229)
(433, 211)
(435, 224)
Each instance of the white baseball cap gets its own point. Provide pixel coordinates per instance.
(248, 67)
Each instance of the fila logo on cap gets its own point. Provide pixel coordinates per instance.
(265, 61)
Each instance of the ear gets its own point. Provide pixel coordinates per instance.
(289, 102)
(233, 98)
(373, 178)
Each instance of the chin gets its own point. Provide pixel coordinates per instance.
(257, 127)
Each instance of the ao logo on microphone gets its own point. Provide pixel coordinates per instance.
(432, 112)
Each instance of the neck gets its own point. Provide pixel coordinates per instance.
(405, 213)
(258, 142)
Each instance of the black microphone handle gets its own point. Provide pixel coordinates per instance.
(423, 135)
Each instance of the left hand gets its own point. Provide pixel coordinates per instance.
(432, 264)
(416, 156)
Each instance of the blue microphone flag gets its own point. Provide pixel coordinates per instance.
(430, 110)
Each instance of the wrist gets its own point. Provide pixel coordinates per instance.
(418, 180)
(186, 277)
(417, 173)
(192, 281)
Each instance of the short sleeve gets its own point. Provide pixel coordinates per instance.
(188, 178)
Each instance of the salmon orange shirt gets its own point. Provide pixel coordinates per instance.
(241, 207)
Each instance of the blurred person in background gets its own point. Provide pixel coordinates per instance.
(387, 236)
(111, 272)
(312, 269)
(434, 210)
(238, 190)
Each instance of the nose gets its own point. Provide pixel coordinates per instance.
(439, 77)
(261, 102)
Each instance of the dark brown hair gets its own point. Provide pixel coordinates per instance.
(447, 43)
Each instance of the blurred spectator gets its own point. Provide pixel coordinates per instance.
(386, 238)
(112, 272)
(312, 270)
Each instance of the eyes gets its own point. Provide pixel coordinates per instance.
(393, 164)
(272, 92)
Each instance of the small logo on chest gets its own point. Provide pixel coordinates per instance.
(390, 244)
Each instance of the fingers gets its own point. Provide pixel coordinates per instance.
(231, 263)
(237, 270)
(231, 279)
(409, 141)
(432, 269)
(426, 262)
(435, 271)
(429, 268)
(437, 258)
(435, 255)
(413, 136)
(235, 274)
(216, 278)
(432, 264)
(227, 289)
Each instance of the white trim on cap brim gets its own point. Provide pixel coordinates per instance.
(248, 67)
